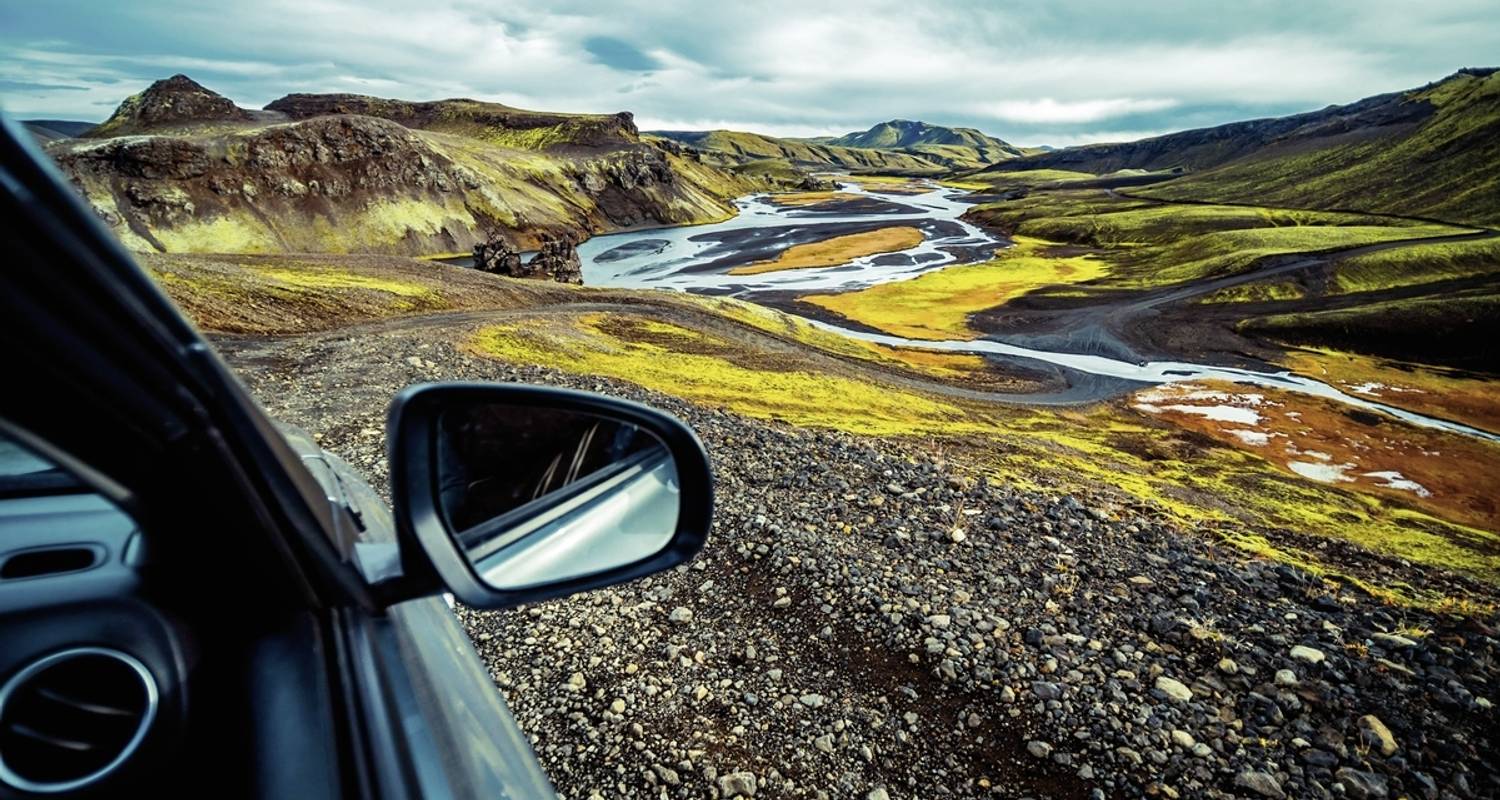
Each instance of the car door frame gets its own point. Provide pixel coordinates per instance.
(419, 714)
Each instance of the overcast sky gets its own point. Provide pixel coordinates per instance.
(1033, 73)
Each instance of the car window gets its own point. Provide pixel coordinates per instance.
(24, 473)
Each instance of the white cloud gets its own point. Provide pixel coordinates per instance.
(1048, 110)
(1069, 68)
(1069, 138)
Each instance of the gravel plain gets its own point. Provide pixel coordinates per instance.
(872, 619)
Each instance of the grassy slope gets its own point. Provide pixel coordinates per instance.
(1021, 179)
(1445, 169)
(1416, 265)
(1445, 329)
(1147, 244)
(276, 294)
(1448, 298)
(299, 293)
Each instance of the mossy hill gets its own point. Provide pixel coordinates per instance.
(179, 168)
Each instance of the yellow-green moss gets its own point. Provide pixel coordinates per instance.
(336, 280)
(717, 380)
(1417, 264)
(937, 305)
(1219, 488)
(225, 234)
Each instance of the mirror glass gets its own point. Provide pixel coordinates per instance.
(539, 495)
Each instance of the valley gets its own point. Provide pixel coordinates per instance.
(1002, 435)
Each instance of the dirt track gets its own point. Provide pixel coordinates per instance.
(1158, 324)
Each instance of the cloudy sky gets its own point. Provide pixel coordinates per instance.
(1034, 73)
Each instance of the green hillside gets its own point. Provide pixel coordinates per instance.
(1427, 152)
(1444, 166)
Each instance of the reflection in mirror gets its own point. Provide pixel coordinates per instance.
(539, 495)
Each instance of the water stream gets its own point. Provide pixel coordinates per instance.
(683, 258)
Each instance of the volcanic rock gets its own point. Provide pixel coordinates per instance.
(172, 101)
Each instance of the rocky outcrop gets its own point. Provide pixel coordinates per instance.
(815, 183)
(557, 260)
(172, 102)
(497, 257)
(284, 187)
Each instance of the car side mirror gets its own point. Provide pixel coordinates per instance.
(521, 493)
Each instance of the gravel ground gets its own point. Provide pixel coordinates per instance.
(870, 620)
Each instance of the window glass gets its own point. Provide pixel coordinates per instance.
(24, 473)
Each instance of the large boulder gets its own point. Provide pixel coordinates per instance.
(498, 257)
(557, 260)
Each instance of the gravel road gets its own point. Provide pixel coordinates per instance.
(870, 620)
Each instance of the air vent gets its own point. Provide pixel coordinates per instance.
(49, 561)
(72, 718)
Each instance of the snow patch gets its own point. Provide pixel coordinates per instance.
(1242, 416)
(1322, 473)
(1395, 480)
(1254, 438)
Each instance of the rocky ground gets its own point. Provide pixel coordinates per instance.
(873, 620)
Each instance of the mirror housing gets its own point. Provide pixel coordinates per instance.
(433, 557)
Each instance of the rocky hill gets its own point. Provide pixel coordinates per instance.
(171, 103)
(352, 174)
(1431, 151)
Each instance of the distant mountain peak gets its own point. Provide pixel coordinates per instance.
(908, 133)
(171, 101)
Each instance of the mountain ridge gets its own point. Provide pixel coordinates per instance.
(1415, 152)
(904, 133)
(495, 123)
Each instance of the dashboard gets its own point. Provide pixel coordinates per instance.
(92, 678)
